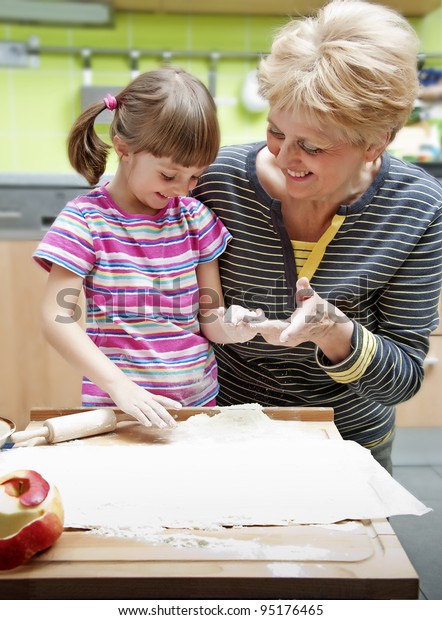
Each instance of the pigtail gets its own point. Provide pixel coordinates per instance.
(86, 151)
(167, 113)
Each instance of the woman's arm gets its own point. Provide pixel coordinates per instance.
(63, 331)
(385, 363)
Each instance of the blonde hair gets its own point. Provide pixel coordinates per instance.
(166, 112)
(353, 65)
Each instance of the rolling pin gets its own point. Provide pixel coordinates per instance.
(73, 426)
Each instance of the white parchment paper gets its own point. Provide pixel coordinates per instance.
(210, 473)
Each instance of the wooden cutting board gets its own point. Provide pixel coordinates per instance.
(351, 559)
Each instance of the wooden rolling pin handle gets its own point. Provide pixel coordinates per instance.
(19, 436)
(78, 425)
(73, 426)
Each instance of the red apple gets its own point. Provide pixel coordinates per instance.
(31, 517)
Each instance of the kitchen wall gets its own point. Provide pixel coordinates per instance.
(39, 103)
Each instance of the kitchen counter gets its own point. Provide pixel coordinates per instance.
(85, 566)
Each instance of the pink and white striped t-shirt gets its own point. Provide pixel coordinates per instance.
(141, 289)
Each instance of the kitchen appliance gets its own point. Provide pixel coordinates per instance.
(29, 203)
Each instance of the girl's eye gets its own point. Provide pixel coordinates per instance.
(309, 148)
(166, 177)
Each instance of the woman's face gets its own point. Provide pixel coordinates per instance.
(317, 164)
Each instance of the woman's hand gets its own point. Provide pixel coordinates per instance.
(149, 409)
(271, 330)
(314, 320)
(318, 321)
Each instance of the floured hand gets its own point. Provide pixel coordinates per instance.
(318, 321)
(149, 409)
(237, 322)
(271, 330)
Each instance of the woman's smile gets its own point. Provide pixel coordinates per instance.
(298, 174)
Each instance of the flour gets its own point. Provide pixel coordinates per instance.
(240, 423)
(223, 547)
(232, 423)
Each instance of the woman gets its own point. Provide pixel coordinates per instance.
(323, 209)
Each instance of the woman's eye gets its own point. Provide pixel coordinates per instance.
(275, 132)
(309, 148)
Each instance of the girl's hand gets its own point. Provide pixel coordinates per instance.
(236, 322)
(149, 409)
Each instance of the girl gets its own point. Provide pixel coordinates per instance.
(145, 254)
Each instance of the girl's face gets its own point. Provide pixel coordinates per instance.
(317, 164)
(151, 182)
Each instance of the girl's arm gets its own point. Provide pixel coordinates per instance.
(212, 311)
(63, 331)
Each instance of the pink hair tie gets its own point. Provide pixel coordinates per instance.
(110, 102)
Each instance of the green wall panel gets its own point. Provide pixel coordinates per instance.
(157, 31)
(39, 104)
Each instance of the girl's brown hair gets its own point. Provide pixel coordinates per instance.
(167, 112)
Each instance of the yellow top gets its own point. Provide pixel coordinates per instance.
(308, 255)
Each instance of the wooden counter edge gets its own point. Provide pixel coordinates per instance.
(305, 414)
